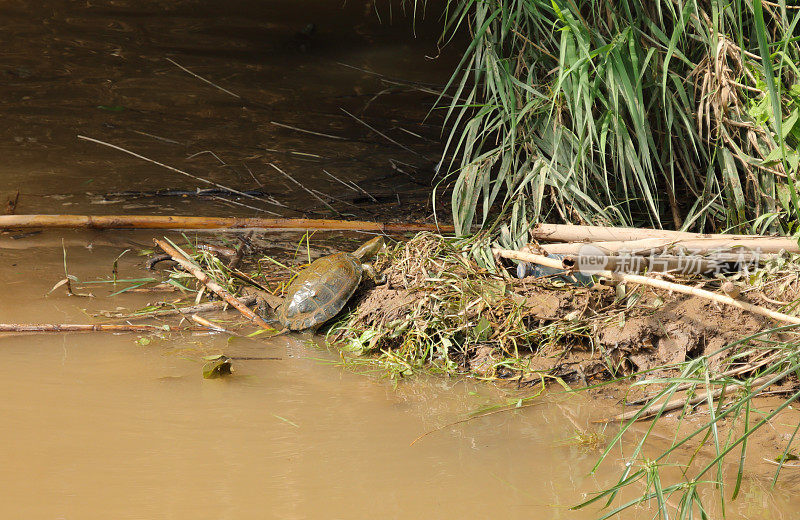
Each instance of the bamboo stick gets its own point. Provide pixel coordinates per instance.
(647, 246)
(180, 222)
(572, 233)
(211, 284)
(652, 282)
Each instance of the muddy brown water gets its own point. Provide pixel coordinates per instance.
(99, 425)
(111, 426)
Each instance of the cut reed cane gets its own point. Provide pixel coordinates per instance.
(573, 233)
(211, 223)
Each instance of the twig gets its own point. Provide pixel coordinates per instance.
(440, 428)
(194, 309)
(715, 245)
(652, 282)
(573, 233)
(428, 88)
(176, 170)
(350, 184)
(404, 147)
(187, 264)
(303, 130)
(728, 373)
(213, 326)
(219, 328)
(260, 184)
(77, 327)
(157, 137)
(781, 464)
(201, 78)
(336, 199)
(304, 188)
(246, 279)
(248, 206)
(340, 181)
(293, 152)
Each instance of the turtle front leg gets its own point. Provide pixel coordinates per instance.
(370, 272)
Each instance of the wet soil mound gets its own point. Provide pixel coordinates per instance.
(440, 309)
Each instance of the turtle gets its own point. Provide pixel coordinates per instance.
(321, 290)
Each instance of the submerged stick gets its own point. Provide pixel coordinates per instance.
(652, 282)
(311, 132)
(404, 147)
(212, 285)
(210, 325)
(78, 327)
(298, 183)
(194, 309)
(473, 417)
(728, 373)
(680, 402)
(201, 78)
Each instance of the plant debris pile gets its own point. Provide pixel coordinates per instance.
(440, 311)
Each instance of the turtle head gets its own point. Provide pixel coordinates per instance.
(369, 249)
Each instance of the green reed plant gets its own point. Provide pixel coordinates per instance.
(665, 113)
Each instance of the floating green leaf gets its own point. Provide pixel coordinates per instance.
(787, 457)
(217, 366)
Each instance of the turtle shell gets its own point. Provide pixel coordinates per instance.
(320, 291)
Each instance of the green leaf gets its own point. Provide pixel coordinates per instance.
(483, 329)
(217, 366)
(773, 90)
(287, 421)
(789, 122)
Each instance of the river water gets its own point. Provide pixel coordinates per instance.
(101, 425)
